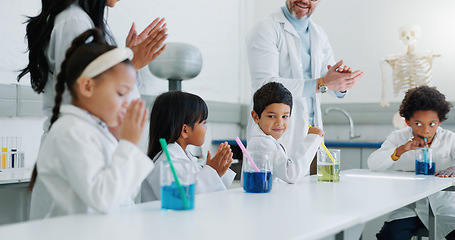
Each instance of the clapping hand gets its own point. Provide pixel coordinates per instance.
(132, 125)
(149, 44)
(222, 160)
(340, 78)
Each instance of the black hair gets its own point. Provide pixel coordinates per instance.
(170, 111)
(424, 98)
(39, 29)
(272, 92)
(84, 49)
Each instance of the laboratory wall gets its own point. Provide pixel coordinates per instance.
(361, 33)
(213, 28)
(364, 32)
(216, 29)
(372, 35)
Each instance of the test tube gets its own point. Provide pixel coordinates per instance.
(1, 155)
(13, 152)
(4, 153)
(20, 153)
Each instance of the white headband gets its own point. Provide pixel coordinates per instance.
(106, 61)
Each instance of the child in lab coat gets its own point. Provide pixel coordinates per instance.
(179, 117)
(424, 109)
(80, 163)
(272, 106)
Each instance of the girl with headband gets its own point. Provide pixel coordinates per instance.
(81, 165)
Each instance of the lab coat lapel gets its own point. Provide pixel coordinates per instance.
(316, 69)
(278, 16)
(177, 152)
(437, 141)
(257, 132)
(88, 117)
(293, 42)
(316, 51)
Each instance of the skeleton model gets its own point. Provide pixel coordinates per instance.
(410, 69)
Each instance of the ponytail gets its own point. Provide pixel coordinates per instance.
(84, 49)
(38, 34)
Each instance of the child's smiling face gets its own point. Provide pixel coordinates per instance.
(424, 124)
(274, 119)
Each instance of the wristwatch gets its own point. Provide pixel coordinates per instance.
(322, 87)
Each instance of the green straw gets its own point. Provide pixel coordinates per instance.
(166, 152)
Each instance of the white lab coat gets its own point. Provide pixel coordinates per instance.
(207, 179)
(443, 148)
(85, 169)
(273, 48)
(285, 168)
(68, 25)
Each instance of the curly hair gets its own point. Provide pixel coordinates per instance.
(272, 92)
(424, 98)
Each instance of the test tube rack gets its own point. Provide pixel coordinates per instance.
(11, 154)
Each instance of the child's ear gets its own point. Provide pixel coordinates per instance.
(184, 132)
(255, 116)
(86, 86)
(407, 123)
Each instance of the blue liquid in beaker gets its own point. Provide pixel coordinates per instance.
(257, 182)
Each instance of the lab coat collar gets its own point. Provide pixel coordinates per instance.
(69, 109)
(257, 132)
(279, 17)
(176, 152)
(437, 138)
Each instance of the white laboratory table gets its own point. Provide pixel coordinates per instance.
(306, 210)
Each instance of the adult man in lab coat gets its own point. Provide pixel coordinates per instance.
(288, 47)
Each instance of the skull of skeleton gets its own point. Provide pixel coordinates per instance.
(409, 34)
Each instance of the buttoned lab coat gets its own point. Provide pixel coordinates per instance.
(443, 148)
(285, 167)
(207, 179)
(85, 169)
(273, 48)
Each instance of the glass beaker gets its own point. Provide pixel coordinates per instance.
(173, 196)
(328, 169)
(424, 162)
(258, 181)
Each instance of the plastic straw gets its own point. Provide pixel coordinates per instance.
(327, 151)
(182, 193)
(425, 157)
(237, 139)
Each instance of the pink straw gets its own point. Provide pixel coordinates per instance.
(237, 139)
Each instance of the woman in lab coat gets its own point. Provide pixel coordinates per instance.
(179, 117)
(81, 164)
(50, 34)
(274, 55)
(419, 105)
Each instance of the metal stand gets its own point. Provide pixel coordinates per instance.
(175, 85)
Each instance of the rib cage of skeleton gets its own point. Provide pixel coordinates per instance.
(409, 69)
